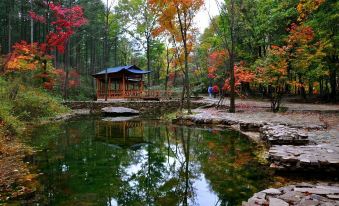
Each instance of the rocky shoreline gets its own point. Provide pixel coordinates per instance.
(294, 144)
(290, 147)
(303, 194)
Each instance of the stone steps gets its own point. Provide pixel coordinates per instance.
(283, 135)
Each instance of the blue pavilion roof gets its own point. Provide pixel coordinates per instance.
(129, 69)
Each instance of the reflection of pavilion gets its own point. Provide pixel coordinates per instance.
(120, 133)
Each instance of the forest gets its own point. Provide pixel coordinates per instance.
(273, 63)
(264, 48)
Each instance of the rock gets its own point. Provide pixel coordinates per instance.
(272, 191)
(250, 127)
(282, 135)
(305, 202)
(119, 111)
(118, 119)
(305, 158)
(335, 197)
(291, 196)
(319, 191)
(277, 202)
(304, 194)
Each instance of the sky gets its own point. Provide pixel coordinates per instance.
(202, 19)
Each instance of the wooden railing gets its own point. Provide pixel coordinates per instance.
(116, 94)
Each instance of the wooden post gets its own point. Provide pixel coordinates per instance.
(109, 87)
(123, 85)
(97, 87)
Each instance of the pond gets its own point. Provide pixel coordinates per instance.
(94, 161)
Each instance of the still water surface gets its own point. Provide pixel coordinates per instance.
(94, 161)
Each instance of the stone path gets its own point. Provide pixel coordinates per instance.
(250, 104)
(303, 194)
(322, 157)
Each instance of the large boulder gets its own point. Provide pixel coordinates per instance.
(119, 111)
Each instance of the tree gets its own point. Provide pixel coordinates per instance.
(323, 17)
(226, 27)
(176, 17)
(271, 71)
(36, 55)
(140, 21)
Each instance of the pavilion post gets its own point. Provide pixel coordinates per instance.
(109, 87)
(106, 85)
(123, 85)
(97, 88)
(141, 86)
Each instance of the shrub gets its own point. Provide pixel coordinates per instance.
(34, 103)
(19, 103)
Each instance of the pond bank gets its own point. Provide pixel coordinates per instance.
(287, 132)
(16, 180)
(146, 108)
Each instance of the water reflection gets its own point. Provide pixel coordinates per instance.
(104, 162)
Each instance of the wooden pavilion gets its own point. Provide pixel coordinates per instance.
(123, 82)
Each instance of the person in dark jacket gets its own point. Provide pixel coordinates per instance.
(210, 91)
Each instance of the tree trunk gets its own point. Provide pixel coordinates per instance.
(232, 78)
(10, 27)
(187, 82)
(148, 53)
(333, 83)
(168, 61)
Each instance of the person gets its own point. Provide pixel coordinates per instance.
(210, 91)
(215, 90)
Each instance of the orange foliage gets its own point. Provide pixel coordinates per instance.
(274, 71)
(299, 34)
(25, 57)
(306, 7)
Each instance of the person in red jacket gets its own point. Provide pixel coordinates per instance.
(215, 90)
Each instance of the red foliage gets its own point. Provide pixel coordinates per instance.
(216, 60)
(65, 21)
(36, 56)
(73, 78)
(37, 17)
(241, 75)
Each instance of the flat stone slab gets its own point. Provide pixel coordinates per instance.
(119, 119)
(307, 194)
(322, 157)
(281, 135)
(119, 111)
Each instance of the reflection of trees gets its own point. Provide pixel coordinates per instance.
(227, 163)
(82, 168)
